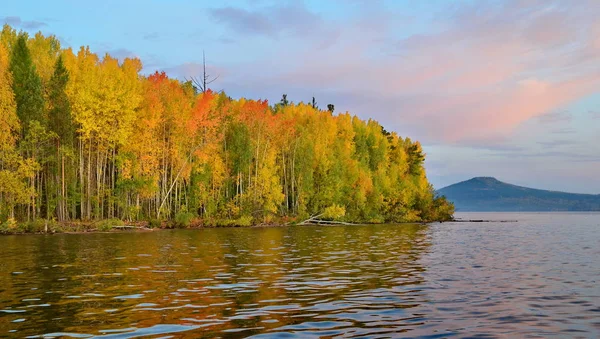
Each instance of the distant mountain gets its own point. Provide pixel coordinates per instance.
(489, 194)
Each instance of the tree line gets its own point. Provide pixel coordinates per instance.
(90, 138)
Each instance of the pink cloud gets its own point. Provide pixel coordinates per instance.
(489, 69)
(481, 71)
(498, 113)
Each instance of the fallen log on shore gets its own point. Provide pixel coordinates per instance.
(326, 222)
(131, 227)
(314, 220)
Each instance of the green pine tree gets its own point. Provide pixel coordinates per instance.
(60, 120)
(27, 84)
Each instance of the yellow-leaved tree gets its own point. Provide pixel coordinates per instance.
(14, 170)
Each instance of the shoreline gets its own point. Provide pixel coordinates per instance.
(142, 227)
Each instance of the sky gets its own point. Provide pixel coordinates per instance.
(509, 89)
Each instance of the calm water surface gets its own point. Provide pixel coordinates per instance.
(539, 277)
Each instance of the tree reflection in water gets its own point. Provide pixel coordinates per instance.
(215, 282)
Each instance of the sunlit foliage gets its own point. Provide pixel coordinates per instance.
(85, 137)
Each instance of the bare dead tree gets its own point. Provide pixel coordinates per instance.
(202, 83)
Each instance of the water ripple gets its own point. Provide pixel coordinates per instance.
(537, 278)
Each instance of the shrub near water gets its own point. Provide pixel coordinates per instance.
(107, 225)
(9, 226)
(34, 226)
(334, 212)
(154, 223)
(183, 219)
(244, 220)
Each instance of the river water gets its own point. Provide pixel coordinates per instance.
(538, 277)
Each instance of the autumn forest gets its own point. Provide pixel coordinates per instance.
(85, 138)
